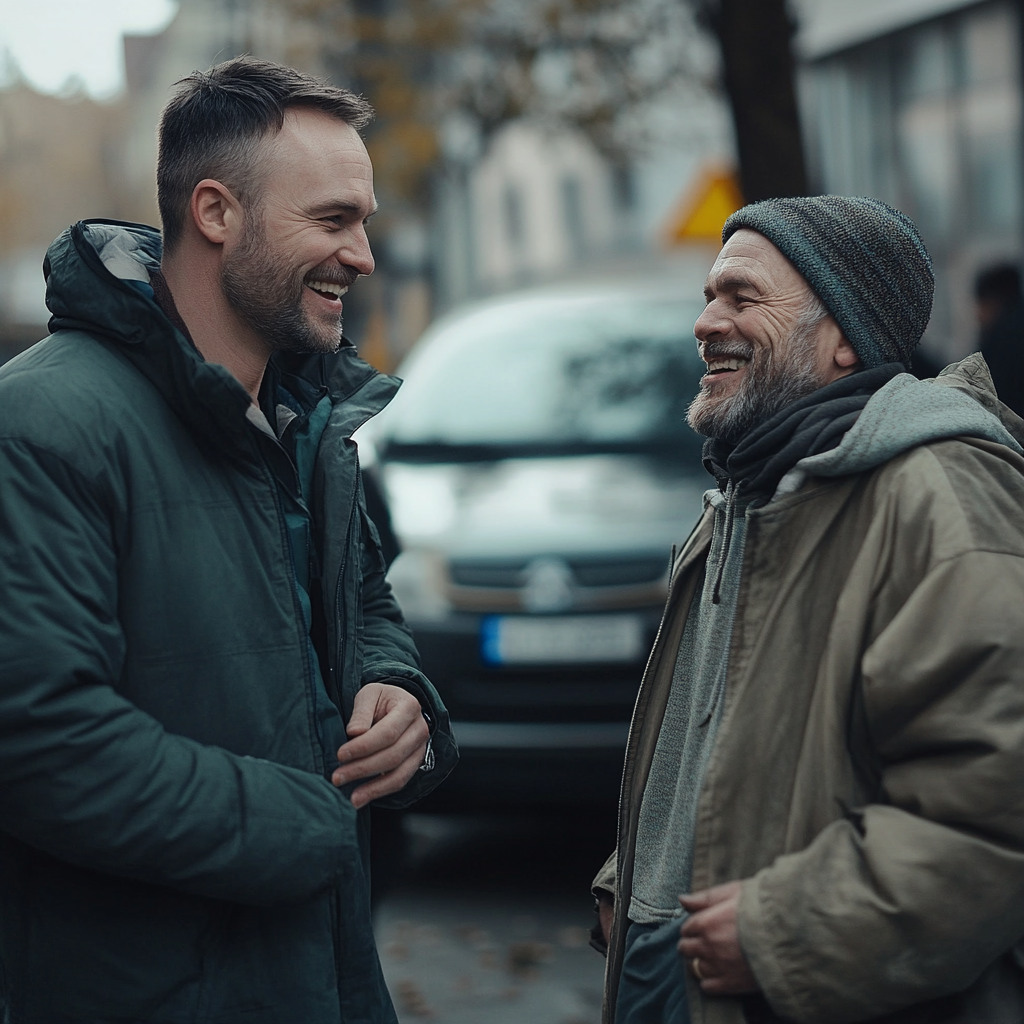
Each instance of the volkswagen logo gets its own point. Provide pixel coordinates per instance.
(548, 586)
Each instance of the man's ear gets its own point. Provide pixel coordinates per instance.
(845, 357)
(216, 213)
(835, 345)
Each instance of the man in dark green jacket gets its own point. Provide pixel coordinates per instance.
(205, 678)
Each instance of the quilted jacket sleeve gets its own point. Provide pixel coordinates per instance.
(87, 776)
(911, 898)
(390, 656)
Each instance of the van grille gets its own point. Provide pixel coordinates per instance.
(586, 572)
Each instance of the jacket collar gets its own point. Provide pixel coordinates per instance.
(98, 277)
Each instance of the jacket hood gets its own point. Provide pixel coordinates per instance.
(906, 413)
(98, 277)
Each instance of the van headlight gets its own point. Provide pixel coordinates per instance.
(419, 579)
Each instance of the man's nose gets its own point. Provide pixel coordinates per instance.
(708, 323)
(356, 253)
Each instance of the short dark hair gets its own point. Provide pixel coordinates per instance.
(215, 122)
(1001, 282)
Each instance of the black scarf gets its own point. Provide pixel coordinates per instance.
(809, 426)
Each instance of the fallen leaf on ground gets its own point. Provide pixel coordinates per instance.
(523, 957)
(412, 1000)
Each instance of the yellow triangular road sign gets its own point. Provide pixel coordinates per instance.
(714, 195)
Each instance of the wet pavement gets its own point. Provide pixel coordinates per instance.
(488, 922)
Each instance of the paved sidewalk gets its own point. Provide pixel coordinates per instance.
(471, 938)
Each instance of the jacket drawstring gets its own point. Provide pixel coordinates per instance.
(723, 551)
(716, 596)
(713, 703)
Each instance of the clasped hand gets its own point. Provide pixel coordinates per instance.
(387, 742)
(710, 941)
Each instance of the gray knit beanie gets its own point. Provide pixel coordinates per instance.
(863, 259)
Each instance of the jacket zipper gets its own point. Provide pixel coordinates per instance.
(629, 766)
(293, 581)
(339, 669)
(341, 576)
(723, 548)
(608, 1014)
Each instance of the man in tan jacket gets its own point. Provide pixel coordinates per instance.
(822, 813)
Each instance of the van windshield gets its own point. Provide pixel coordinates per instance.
(551, 374)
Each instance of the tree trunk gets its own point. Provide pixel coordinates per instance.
(757, 58)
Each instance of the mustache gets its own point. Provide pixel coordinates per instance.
(725, 350)
(334, 273)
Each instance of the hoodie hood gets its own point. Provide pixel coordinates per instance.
(906, 413)
(98, 277)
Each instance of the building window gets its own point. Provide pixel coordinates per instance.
(929, 119)
(991, 118)
(623, 186)
(514, 226)
(572, 210)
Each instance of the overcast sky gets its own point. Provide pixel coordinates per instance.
(54, 41)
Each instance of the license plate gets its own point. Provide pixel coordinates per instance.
(561, 639)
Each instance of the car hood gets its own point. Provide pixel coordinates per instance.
(511, 507)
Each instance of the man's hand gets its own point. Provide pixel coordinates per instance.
(711, 941)
(388, 740)
(605, 910)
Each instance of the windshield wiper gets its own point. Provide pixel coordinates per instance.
(441, 451)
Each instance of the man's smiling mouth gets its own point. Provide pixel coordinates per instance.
(724, 364)
(328, 289)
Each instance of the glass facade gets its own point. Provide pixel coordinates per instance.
(929, 119)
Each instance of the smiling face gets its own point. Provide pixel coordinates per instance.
(305, 240)
(765, 337)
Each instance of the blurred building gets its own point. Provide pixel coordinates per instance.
(546, 200)
(538, 202)
(58, 163)
(918, 102)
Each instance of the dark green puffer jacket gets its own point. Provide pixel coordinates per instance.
(170, 847)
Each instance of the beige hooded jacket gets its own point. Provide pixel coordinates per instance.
(867, 781)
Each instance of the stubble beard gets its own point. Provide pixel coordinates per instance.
(267, 297)
(770, 385)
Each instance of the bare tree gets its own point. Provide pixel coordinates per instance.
(755, 37)
(592, 65)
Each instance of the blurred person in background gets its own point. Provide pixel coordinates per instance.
(828, 745)
(1000, 309)
(205, 678)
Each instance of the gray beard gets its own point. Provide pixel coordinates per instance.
(771, 384)
(268, 301)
